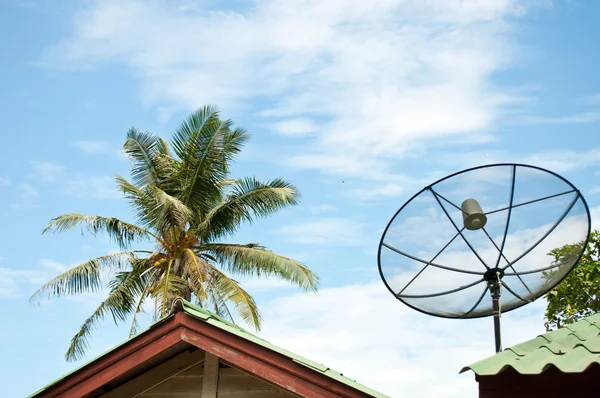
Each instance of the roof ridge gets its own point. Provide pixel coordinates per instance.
(195, 311)
(217, 321)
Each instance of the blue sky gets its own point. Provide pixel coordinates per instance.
(360, 105)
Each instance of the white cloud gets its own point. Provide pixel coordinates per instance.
(382, 76)
(295, 127)
(47, 170)
(585, 117)
(566, 160)
(4, 180)
(253, 285)
(325, 231)
(96, 187)
(13, 281)
(558, 161)
(381, 191)
(364, 332)
(93, 147)
(52, 265)
(593, 99)
(385, 185)
(322, 209)
(27, 191)
(589, 116)
(16, 283)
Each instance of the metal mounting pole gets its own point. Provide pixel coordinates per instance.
(493, 277)
(495, 291)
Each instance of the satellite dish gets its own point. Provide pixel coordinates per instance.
(477, 243)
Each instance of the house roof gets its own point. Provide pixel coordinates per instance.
(209, 317)
(200, 314)
(570, 349)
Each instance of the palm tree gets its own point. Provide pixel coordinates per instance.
(184, 204)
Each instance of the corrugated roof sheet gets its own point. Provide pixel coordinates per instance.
(212, 319)
(571, 349)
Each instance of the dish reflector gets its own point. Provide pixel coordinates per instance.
(457, 243)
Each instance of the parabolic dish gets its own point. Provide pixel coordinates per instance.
(439, 258)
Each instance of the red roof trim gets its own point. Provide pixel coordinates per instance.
(260, 361)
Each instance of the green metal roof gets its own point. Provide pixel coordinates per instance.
(571, 349)
(214, 320)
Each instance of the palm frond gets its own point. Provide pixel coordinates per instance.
(163, 147)
(185, 136)
(155, 208)
(125, 287)
(121, 232)
(248, 199)
(228, 290)
(204, 168)
(196, 272)
(136, 196)
(205, 144)
(141, 148)
(168, 287)
(133, 329)
(85, 277)
(255, 260)
(219, 306)
(165, 211)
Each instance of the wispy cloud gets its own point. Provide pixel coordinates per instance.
(579, 118)
(381, 76)
(589, 115)
(96, 187)
(322, 209)
(93, 147)
(4, 180)
(295, 127)
(19, 282)
(593, 99)
(13, 282)
(325, 231)
(263, 284)
(27, 191)
(561, 161)
(53, 265)
(382, 191)
(47, 170)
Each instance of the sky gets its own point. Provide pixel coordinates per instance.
(360, 104)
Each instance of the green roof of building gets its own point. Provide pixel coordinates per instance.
(570, 349)
(214, 320)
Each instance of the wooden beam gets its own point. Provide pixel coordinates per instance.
(210, 378)
(157, 375)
